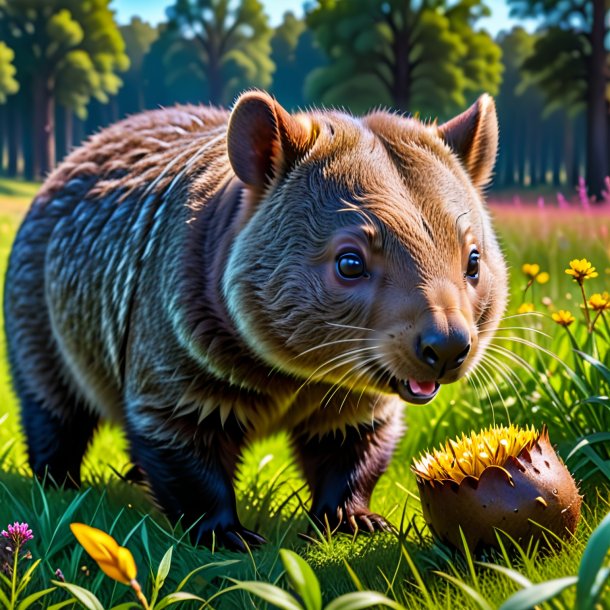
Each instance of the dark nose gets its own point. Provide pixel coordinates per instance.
(443, 352)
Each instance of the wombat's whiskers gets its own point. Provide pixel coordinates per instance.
(370, 330)
(343, 359)
(340, 382)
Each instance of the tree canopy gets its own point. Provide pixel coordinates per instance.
(8, 83)
(413, 56)
(66, 51)
(232, 42)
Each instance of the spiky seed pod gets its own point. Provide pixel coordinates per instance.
(506, 478)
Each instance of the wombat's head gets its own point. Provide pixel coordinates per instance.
(365, 255)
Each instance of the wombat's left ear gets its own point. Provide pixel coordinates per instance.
(263, 140)
(473, 136)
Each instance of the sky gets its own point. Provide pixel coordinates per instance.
(153, 11)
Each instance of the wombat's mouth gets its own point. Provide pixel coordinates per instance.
(415, 392)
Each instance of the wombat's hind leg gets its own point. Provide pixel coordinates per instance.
(57, 440)
(342, 472)
(191, 478)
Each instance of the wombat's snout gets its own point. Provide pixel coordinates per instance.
(443, 351)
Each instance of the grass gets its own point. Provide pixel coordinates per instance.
(553, 387)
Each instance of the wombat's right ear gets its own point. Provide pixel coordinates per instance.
(473, 136)
(263, 140)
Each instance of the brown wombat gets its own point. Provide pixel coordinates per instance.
(205, 277)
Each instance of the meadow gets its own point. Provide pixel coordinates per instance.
(538, 372)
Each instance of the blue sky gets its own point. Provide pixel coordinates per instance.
(154, 11)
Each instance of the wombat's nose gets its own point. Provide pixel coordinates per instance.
(443, 352)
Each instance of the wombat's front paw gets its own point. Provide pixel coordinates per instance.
(354, 520)
(233, 538)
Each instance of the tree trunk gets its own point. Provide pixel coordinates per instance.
(68, 130)
(3, 137)
(213, 72)
(401, 90)
(44, 126)
(15, 138)
(597, 118)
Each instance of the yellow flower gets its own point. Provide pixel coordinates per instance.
(599, 301)
(531, 269)
(563, 317)
(526, 308)
(470, 455)
(581, 270)
(115, 561)
(543, 278)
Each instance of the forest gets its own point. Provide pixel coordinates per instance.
(67, 68)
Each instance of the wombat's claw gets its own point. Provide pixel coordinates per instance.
(362, 520)
(239, 539)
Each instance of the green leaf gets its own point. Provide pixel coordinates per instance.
(468, 590)
(270, 593)
(164, 567)
(601, 368)
(3, 597)
(213, 564)
(126, 606)
(362, 600)
(353, 576)
(178, 596)
(302, 578)
(588, 589)
(30, 599)
(27, 576)
(515, 576)
(597, 437)
(536, 594)
(67, 602)
(84, 597)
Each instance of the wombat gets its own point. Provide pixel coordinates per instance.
(206, 277)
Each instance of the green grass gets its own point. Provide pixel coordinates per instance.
(269, 487)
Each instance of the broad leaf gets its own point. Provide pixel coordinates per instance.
(536, 594)
(302, 578)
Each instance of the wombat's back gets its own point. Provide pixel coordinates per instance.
(74, 269)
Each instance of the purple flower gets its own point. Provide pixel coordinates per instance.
(18, 533)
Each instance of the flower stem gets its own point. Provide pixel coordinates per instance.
(584, 298)
(597, 316)
(135, 585)
(14, 578)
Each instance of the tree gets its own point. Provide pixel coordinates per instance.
(570, 64)
(413, 56)
(8, 84)
(295, 54)
(233, 42)
(139, 36)
(67, 51)
(172, 71)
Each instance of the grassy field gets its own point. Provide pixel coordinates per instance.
(541, 380)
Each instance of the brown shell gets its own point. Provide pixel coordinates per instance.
(533, 488)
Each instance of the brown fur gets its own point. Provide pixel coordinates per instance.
(179, 277)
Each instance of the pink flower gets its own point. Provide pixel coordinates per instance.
(18, 533)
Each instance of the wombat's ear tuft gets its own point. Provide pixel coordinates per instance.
(263, 140)
(473, 136)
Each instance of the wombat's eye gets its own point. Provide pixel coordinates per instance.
(350, 266)
(472, 270)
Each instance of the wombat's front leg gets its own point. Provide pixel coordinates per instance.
(342, 471)
(191, 476)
